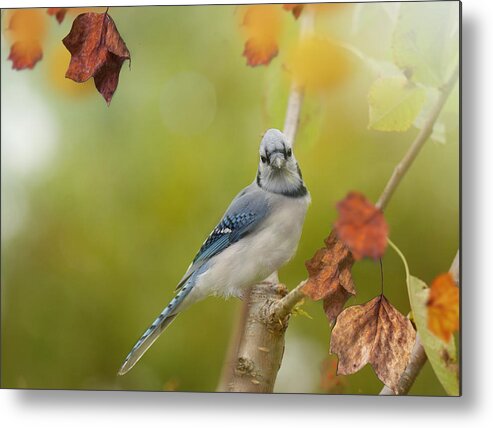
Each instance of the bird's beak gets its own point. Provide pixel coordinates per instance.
(277, 160)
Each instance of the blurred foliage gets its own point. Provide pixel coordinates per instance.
(103, 208)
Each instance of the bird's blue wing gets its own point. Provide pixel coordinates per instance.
(246, 211)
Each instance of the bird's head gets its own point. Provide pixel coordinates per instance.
(278, 170)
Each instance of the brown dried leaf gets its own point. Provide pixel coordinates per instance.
(97, 51)
(374, 333)
(58, 12)
(294, 8)
(361, 226)
(329, 276)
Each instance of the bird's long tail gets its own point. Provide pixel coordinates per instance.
(157, 327)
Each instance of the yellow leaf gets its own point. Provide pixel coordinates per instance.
(318, 63)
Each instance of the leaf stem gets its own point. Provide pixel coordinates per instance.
(381, 276)
(399, 252)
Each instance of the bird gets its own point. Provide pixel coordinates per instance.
(258, 233)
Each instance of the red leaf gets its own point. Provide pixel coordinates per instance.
(25, 54)
(59, 13)
(361, 226)
(330, 277)
(97, 51)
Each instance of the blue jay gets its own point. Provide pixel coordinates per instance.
(256, 236)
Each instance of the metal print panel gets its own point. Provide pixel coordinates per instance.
(246, 198)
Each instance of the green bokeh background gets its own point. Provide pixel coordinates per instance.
(97, 234)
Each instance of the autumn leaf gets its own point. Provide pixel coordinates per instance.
(25, 54)
(58, 12)
(361, 226)
(374, 333)
(318, 63)
(262, 27)
(27, 30)
(443, 307)
(97, 51)
(329, 277)
(294, 8)
(56, 61)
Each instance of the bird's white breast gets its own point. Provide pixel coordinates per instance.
(258, 254)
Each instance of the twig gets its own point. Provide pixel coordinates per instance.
(418, 356)
(285, 306)
(402, 167)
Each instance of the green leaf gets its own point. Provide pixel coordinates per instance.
(426, 40)
(442, 356)
(438, 133)
(394, 103)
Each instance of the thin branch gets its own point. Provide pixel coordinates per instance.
(293, 113)
(402, 167)
(418, 356)
(286, 305)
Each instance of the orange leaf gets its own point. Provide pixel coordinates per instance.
(361, 226)
(25, 54)
(294, 8)
(26, 30)
(97, 51)
(318, 63)
(27, 24)
(262, 26)
(443, 307)
(59, 13)
(329, 277)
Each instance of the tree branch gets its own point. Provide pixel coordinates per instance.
(418, 356)
(402, 167)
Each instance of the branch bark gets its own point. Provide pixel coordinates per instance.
(262, 346)
(418, 355)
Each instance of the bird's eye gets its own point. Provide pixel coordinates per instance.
(263, 159)
(289, 152)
